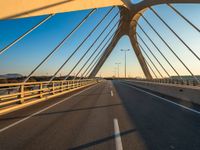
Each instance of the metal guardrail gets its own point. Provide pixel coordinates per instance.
(171, 81)
(14, 93)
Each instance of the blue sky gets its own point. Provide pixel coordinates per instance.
(26, 54)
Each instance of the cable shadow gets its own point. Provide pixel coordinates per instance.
(35, 10)
(99, 141)
(61, 112)
(95, 94)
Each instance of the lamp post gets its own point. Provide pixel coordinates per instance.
(125, 50)
(118, 68)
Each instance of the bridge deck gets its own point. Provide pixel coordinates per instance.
(86, 121)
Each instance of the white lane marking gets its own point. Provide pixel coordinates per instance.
(111, 93)
(118, 141)
(167, 100)
(38, 112)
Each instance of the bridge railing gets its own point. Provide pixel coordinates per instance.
(185, 82)
(18, 93)
(177, 81)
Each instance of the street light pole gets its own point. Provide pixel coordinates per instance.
(118, 68)
(125, 50)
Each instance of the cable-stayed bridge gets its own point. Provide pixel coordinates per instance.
(82, 111)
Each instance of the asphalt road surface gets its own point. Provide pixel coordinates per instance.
(108, 116)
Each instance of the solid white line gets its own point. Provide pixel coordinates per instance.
(111, 93)
(38, 112)
(118, 141)
(167, 100)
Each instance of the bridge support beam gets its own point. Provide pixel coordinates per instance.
(106, 54)
(127, 28)
(134, 42)
(139, 56)
(11, 9)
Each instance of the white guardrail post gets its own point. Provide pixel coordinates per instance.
(61, 84)
(41, 90)
(21, 93)
(53, 88)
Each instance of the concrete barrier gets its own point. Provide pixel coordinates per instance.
(183, 92)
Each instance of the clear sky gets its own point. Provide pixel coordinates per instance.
(26, 54)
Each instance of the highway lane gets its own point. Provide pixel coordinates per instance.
(161, 124)
(94, 118)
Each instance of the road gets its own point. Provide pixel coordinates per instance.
(111, 115)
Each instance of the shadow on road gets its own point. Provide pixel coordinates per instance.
(100, 141)
(62, 112)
